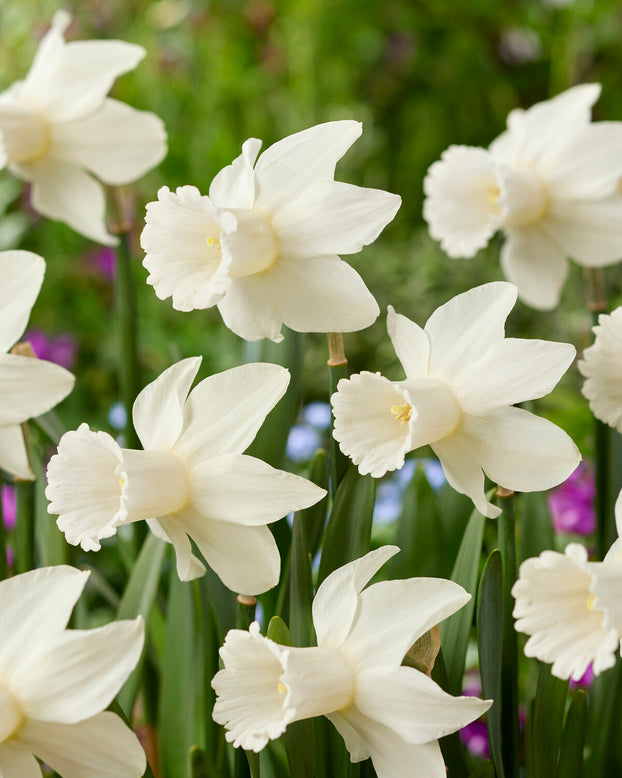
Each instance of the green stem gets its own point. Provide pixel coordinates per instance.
(25, 526)
(510, 731)
(337, 369)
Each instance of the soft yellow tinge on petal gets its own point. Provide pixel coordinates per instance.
(590, 602)
(25, 133)
(11, 716)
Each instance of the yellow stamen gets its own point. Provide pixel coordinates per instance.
(213, 241)
(281, 688)
(121, 482)
(402, 413)
(493, 194)
(590, 602)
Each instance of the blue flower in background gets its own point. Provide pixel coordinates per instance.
(302, 443)
(317, 414)
(117, 416)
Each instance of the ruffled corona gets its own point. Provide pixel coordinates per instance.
(602, 367)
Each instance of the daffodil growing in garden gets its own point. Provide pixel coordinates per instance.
(549, 182)
(602, 367)
(462, 377)
(60, 132)
(56, 683)
(191, 480)
(263, 245)
(29, 386)
(383, 710)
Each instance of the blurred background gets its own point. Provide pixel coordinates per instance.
(419, 74)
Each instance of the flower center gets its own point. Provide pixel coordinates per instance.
(252, 246)
(522, 198)
(24, 133)
(213, 241)
(153, 483)
(10, 714)
(281, 688)
(402, 413)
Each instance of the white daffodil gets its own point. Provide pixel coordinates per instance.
(602, 367)
(55, 683)
(191, 480)
(462, 378)
(263, 246)
(549, 182)
(383, 710)
(28, 387)
(58, 129)
(571, 608)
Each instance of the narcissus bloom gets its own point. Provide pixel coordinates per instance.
(602, 367)
(58, 129)
(191, 480)
(383, 710)
(549, 182)
(263, 246)
(56, 682)
(28, 386)
(571, 608)
(462, 378)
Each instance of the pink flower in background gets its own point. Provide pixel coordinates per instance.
(474, 735)
(8, 506)
(586, 680)
(104, 262)
(60, 350)
(572, 503)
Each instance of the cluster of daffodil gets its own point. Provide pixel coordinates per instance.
(264, 246)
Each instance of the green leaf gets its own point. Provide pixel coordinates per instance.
(548, 715)
(536, 529)
(137, 600)
(573, 737)
(489, 640)
(455, 630)
(301, 587)
(484, 770)
(314, 517)
(451, 745)
(177, 697)
(278, 631)
(349, 526)
(202, 766)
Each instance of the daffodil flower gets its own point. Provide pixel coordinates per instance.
(462, 377)
(29, 387)
(263, 245)
(549, 182)
(602, 367)
(58, 129)
(383, 710)
(56, 683)
(571, 608)
(191, 480)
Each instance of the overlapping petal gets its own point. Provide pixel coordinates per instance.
(21, 276)
(16, 761)
(13, 455)
(464, 473)
(30, 387)
(411, 344)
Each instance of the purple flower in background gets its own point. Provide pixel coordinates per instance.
(474, 735)
(61, 350)
(572, 503)
(585, 681)
(8, 506)
(104, 261)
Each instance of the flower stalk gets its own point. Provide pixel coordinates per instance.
(25, 518)
(337, 369)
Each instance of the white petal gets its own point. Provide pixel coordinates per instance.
(17, 761)
(606, 586)
(333, 218)
(392, 615)
(13, 453)
(513, 370)
(100, 747)
(234, 186)
(224, 412)
(69, 80)
(248, 702)
(169, 529)
(602, 367)
(83, 488)
(30, 387)
(76, 673)
(244, 490)
(321, 294)
(250, 308)
(365, 426)
(553, 595)
(463, 329)
(117, 143)
(336, 599)
(411, 344)
(413, 705)
(289, 166)
(588, 231)
(181, 240)
(461, 206)
(391, 756)
(536, 264)
(464, 473)
(68, 193)
(546, 126)
(21, 276)
(246, 559)
(158, 411)
(33, 607)
(519, 450)
(587, 167)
